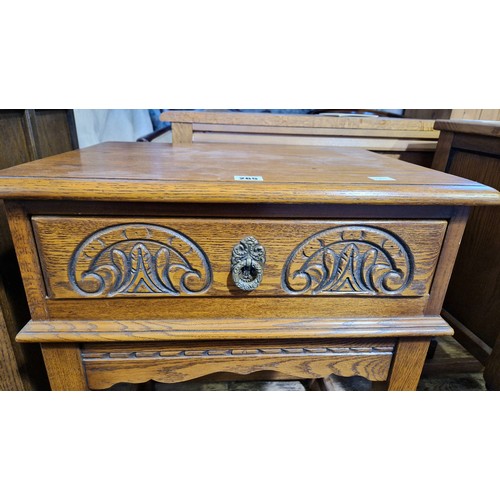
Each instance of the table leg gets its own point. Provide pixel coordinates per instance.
(407, 364)
(492, 368)
(64, 367)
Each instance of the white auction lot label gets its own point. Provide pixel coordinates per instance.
(255, 178)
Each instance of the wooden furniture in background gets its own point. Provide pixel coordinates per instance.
(471, 149)
(405, 139)
(171, 262)
(454, 114)
(25, 135)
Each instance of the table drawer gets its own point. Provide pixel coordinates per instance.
(111, 257)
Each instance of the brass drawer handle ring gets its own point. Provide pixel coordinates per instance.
(247, 264)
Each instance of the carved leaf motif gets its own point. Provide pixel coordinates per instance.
(132, 266)
(121, 264)
(349, 259)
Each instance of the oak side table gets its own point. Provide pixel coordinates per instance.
(168, 263)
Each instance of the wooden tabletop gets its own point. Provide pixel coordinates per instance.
(198, 173)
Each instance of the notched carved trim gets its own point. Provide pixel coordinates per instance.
(349, 260)
(229, 353)
(139, 259)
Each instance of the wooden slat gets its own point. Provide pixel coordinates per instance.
(468, 339)
(267, 119)
(338, 132)
(360, 142)
(439, 367)
(442, 154)
(250, 307)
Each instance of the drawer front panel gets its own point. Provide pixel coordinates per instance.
(110, 257)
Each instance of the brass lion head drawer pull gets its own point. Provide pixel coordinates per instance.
(247, 264)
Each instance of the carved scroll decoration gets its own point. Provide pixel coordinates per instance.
(349, 260)
(138, 260)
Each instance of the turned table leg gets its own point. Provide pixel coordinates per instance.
(64, 367)
(407, 364)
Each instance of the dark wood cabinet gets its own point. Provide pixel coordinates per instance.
(25, 135)
(471, 149)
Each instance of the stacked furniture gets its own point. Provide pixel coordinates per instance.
(409, 140)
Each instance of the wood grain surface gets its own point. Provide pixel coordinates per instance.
(407, 140)
(60, 237)
(170, 363)
(24, 242)
(269, 330)
(10, 378)
(234, 307)
(401, 133)
(407, 364)
(64, 367)
(370, 143)
(478, 127)
(266, 119)
(236, 329)
(201, 173)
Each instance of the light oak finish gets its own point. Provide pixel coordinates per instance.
(354, 274)
(22, 234)
(64, 367)
(217, 237)
(204, 173)
(171, 362)
(406, 139)
(297, 120)
(235, 329)
(407, 364)
(182, 133)
(233, 307)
